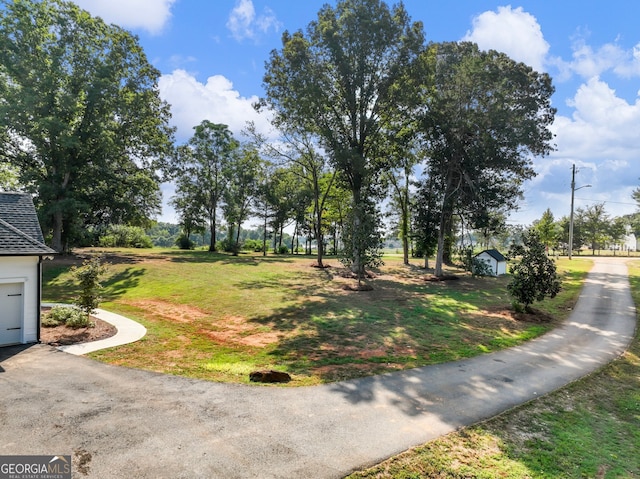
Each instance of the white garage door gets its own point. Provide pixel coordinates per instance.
(11, 313)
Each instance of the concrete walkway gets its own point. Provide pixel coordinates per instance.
(122, 423)
(129, 331)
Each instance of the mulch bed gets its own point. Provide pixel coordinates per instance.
(63, 335)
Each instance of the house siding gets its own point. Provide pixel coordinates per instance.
(25, 270)
(498, 267)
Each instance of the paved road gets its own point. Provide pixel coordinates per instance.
(125, 423)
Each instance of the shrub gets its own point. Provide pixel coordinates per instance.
(254, 245)
(54, 317)
(67, 315)
(79, 319)
(283, 249)
(88, 275)
(480, 267)
(184, 242)
(107, 241)
(124, 236)
(535, 276)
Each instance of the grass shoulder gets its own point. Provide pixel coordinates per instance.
(587, 429)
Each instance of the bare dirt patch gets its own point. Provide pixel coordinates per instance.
(236, 330)
(179, 313)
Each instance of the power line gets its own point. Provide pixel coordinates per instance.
(607, 201)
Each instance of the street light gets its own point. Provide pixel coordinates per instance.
(573, 190)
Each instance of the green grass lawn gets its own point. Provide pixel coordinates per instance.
(590, 428)
(218, 317)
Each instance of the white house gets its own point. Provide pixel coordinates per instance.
(22, 249)
(496, 261)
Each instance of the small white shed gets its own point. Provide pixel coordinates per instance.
(496, 261)
(22, 249)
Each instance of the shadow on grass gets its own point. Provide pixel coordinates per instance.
(66, 290)
(248, 259)
(333, 334)
(118, 284)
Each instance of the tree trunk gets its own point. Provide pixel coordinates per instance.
(293, 238)
(405, 241)
(440, 251)
(212, 228)
(319, 235)
(443, 254)
(56, 240)
(357, 266)
(448, 241)
(404, 205)
(236, 249)
(264, 236)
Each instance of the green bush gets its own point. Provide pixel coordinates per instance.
(107, 241)
(183, 242)
(535, 276)
(67, 315)
(283, 249)
(480, 267)
(54, 317)
(124, 236)
(252, 245)
(88, 275)
(79, 320)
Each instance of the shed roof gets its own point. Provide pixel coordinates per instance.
(495, 254)
(20, 233)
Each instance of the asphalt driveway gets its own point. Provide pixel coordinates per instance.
(125, 423)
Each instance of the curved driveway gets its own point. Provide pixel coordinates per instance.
(125, 423)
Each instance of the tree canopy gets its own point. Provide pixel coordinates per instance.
(341, 80)
(202, 173)
(484, 116)
(80, 117)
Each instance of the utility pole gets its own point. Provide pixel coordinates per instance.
(573, 190)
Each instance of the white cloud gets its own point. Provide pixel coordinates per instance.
(244, 23)
(216, 100)
(193, 101)
(600, 138)
(512, 31)
(150, 15)
(588, 62)
(601, 122)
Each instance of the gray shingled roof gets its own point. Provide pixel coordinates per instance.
(20, 233)
(495, 254)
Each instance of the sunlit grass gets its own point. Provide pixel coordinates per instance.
(205, 312)
(590, 428)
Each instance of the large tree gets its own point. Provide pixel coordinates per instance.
(547, 229)
(246, 176)
(594, 223)
(341, 80)
(484, 116)
(617, 231)
(426, 218)
(203, 170)
(80, 116)
(299, 149)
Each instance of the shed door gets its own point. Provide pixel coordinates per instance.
(11, 313)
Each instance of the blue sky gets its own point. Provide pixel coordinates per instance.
(212, 54)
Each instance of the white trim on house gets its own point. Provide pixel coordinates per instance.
(23, 270)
